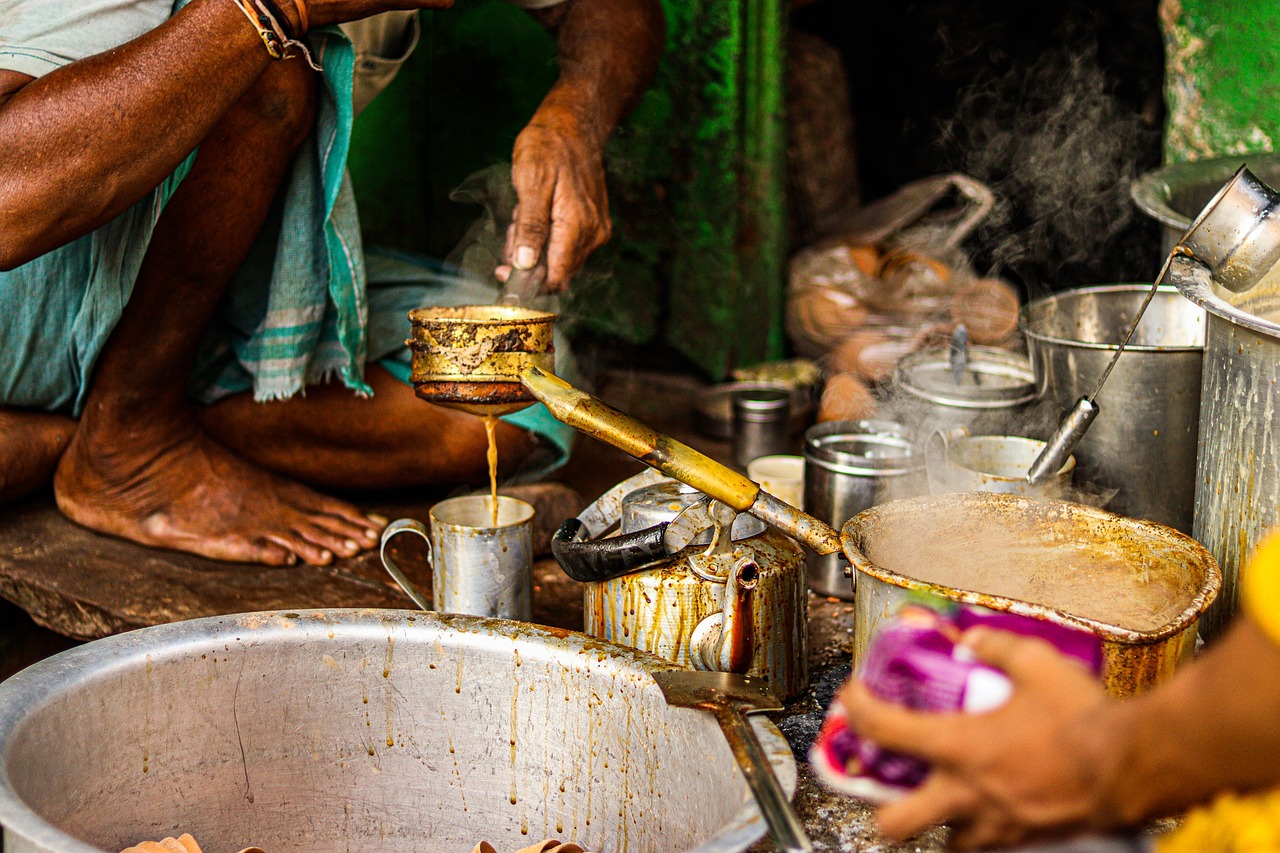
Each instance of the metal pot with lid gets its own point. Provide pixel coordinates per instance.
(990, 391)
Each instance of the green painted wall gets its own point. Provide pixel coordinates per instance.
(696, 175)
(1222, 82)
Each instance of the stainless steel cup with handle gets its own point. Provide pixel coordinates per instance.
(477, 567)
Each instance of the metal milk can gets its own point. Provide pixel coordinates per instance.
(689, 579)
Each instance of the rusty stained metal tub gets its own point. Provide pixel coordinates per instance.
(1133, 660)
(471, 357)
(389, 730)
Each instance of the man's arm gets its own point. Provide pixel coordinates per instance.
(1214, 726)
(1060, 757)
(607, 51)
(83, 143)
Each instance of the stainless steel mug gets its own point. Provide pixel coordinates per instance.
(851, 466)
(477, 567)
(781, 476)
(1237, 235)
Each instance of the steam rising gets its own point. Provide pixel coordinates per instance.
(1053, 136)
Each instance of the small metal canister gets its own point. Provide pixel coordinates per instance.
(993, 392)
(761, 424)
(851, 466)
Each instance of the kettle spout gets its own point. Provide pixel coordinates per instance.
(725, 641)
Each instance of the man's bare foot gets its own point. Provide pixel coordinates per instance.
(30, 446)
(177, 488)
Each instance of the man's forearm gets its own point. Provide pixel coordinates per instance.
(607, 52)
(1213, 727)
(82, 144)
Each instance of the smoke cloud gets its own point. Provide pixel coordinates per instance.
(1059, 149)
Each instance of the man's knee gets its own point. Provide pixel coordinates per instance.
(282, 103)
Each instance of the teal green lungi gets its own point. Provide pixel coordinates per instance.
(303, 309)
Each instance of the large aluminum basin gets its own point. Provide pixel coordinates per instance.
(358, 730)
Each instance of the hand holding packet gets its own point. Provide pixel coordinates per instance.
(916, 660)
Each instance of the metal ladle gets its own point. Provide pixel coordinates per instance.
(1236, 238)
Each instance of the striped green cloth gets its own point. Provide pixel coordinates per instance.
(302, 310)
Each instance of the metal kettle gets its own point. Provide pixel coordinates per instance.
(691, 580)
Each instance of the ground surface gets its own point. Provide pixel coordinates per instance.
(85, 585)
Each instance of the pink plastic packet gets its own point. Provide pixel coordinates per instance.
(915, 661)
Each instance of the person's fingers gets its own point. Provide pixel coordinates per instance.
(929, 736)
(939, 799)
(572, 241)
(987, 831)
(535, 184)
(1023, 659)
(509, 239)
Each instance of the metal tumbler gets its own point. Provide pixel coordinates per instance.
(851, 466)
(761, 424)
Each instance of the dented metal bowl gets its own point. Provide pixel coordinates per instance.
(1133, 660)
(470, 357)
(341, 730)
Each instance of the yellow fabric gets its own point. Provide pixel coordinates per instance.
(1260, 587)
(1235, 823)
(1230, 824)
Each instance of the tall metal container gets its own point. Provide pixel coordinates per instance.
(848, 467)
(1238, 465)
(1143, 444)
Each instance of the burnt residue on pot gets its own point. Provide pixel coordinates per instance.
(473, 393)
(471, 356)
(1133, 552)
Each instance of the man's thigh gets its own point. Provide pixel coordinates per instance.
(57, 311)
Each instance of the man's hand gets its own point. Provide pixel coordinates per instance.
(563, 215)
(1022, 771)
(607, 51)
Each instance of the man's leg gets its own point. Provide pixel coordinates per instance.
(30, 445)
(139, 465)
(331, 437)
